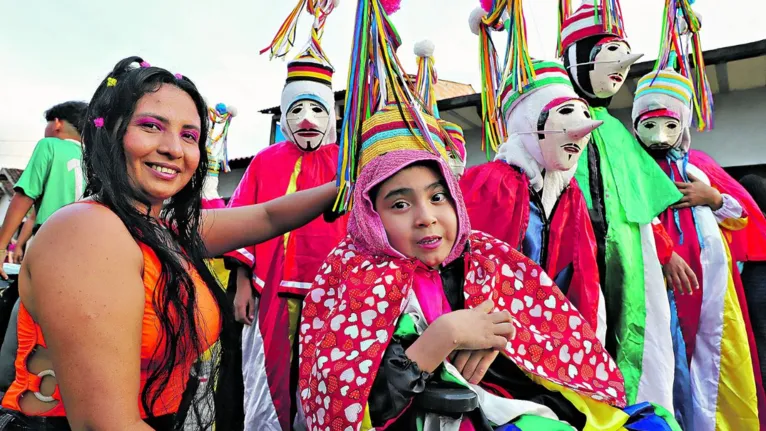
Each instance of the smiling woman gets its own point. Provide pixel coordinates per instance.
(118, 284)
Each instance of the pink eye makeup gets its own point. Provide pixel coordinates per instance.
(191, 134)
(149, 122)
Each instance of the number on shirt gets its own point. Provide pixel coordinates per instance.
(74, 166)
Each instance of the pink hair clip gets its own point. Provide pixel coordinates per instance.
(99, 122)
(179, 76)
(145, 64)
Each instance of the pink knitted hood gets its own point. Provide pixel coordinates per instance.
(364, 224)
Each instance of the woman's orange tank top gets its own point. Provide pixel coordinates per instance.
(30, 335)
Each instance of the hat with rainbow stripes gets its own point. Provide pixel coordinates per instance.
(545, 73)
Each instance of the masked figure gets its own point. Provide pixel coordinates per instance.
(536, 205)
(281, 270)
(716, 225)
(625, 192)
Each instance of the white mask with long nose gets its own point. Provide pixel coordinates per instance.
(611, 64)
(565, 133)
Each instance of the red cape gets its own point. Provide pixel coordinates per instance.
(497, 198)
(748, 244)
(357, 299)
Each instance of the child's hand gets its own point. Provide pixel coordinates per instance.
(480, 328)
(474, 364)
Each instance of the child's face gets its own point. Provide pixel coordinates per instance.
(418, 214)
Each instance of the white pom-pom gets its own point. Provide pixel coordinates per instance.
(684, 26)
(232, 110)
(699, 17)
(424, 48)
(474, 20)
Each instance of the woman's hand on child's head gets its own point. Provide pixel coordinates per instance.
(480, 328)
(473, 364)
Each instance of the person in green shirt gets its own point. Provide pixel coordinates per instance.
(53, 177)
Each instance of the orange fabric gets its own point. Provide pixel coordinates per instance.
(30, 335)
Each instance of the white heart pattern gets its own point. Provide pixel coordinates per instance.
(506, 271)
(336, 322)
(382, 306)
(352, 331)
(379, 291)
(578, 357)
(381, 335)
(352, 412)
(516, 305)
(545, 281)
(551, 302)
(548, 315)
(317, 294)
(321, 361)
(529, 301)
(365, 333)
(353, 355)
(365, 365)
(348, 375)
(336, 354)
(601, 372)
(368, 316)
(353, 318)
(322, 387)
(564, 354)
(574, 322)
(361, 380)
(537, 311)
(572, 371)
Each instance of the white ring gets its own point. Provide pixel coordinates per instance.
(38, 395)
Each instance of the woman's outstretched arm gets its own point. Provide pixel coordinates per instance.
(228, 229)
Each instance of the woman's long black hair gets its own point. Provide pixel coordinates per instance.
(175, 238)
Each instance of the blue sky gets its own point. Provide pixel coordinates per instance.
(57, 50)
